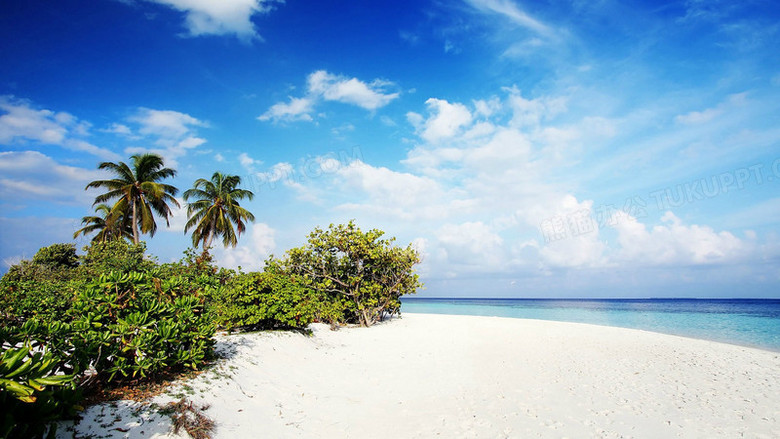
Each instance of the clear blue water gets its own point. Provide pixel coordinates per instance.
(747, 322)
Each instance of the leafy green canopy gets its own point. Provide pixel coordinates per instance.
(138, 192)
(216, 207)
(360, 275)
(110, 225)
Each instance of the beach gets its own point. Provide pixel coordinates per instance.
(424, 375)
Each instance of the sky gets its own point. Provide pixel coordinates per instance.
(559, 148)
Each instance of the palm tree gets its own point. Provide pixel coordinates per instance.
(138, 191)
(215, 209)
(109, 227)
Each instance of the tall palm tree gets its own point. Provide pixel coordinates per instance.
(138, 191)
(109, 227)
(215, 209)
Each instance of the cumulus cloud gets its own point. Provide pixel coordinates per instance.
(323, 86)
(20, 123)
(531, 112)
(674, 243)
(495, 172)
(296, 109)
(173, 133)
(251, 251)
(166, 124)
(178, 218)
(223, 17)
(445, 122)
(473, 244)
(369, 96)
(31, 175)
(391, 193)
(247, 162)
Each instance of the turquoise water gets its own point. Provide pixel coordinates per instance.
(746, 322)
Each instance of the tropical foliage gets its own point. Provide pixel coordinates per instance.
(360, 275)
(266, 300)
(116, 316)
(72, 324)
(215, 209)
(138, 192)
(109, 225)
(33, 392)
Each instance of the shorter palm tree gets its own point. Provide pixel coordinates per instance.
(109, 226)
(138, 191)
(215, 209)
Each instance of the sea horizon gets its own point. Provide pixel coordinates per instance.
(749, 322)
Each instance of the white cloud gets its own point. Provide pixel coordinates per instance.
(118, 128)
(31, 175)
(493, 172)
(21, 123)
(325, 86)
(296, 109)
(178, 218)
(391, 193)
(251, 251)
(487, 107)
(369, 96)
(174, 133)
(247, 162)
(446, 120)
(675, 243)
(472, 244)
(511, 11)
(531, 112)
(698, 117)
(223, 17)
(166, 124)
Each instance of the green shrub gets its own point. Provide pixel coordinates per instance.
(33, 391)
(131, 325)
(41, 288)
(57, 255)
(45, 299)
(264, 300)
(118, 255)
(359, 277)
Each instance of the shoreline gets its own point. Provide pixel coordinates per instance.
(423, 375)
(735, 343)
(742, 322)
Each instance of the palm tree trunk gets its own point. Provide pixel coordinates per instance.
(135, 225)
(207, 241)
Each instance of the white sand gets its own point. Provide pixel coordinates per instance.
(426, 376)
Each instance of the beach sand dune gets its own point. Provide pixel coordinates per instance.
(423, 376)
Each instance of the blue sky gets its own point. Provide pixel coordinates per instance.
(527, 149)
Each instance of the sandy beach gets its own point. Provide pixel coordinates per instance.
(423, 376)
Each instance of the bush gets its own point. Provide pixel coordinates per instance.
(264, 300)
(118, 255)
(358, 276)
(100, 316)
(39, 288)
(33, 392)
(133, 325)
(57, 256)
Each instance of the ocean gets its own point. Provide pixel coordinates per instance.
(746, 322)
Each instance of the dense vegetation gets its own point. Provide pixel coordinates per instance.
(74, 324)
